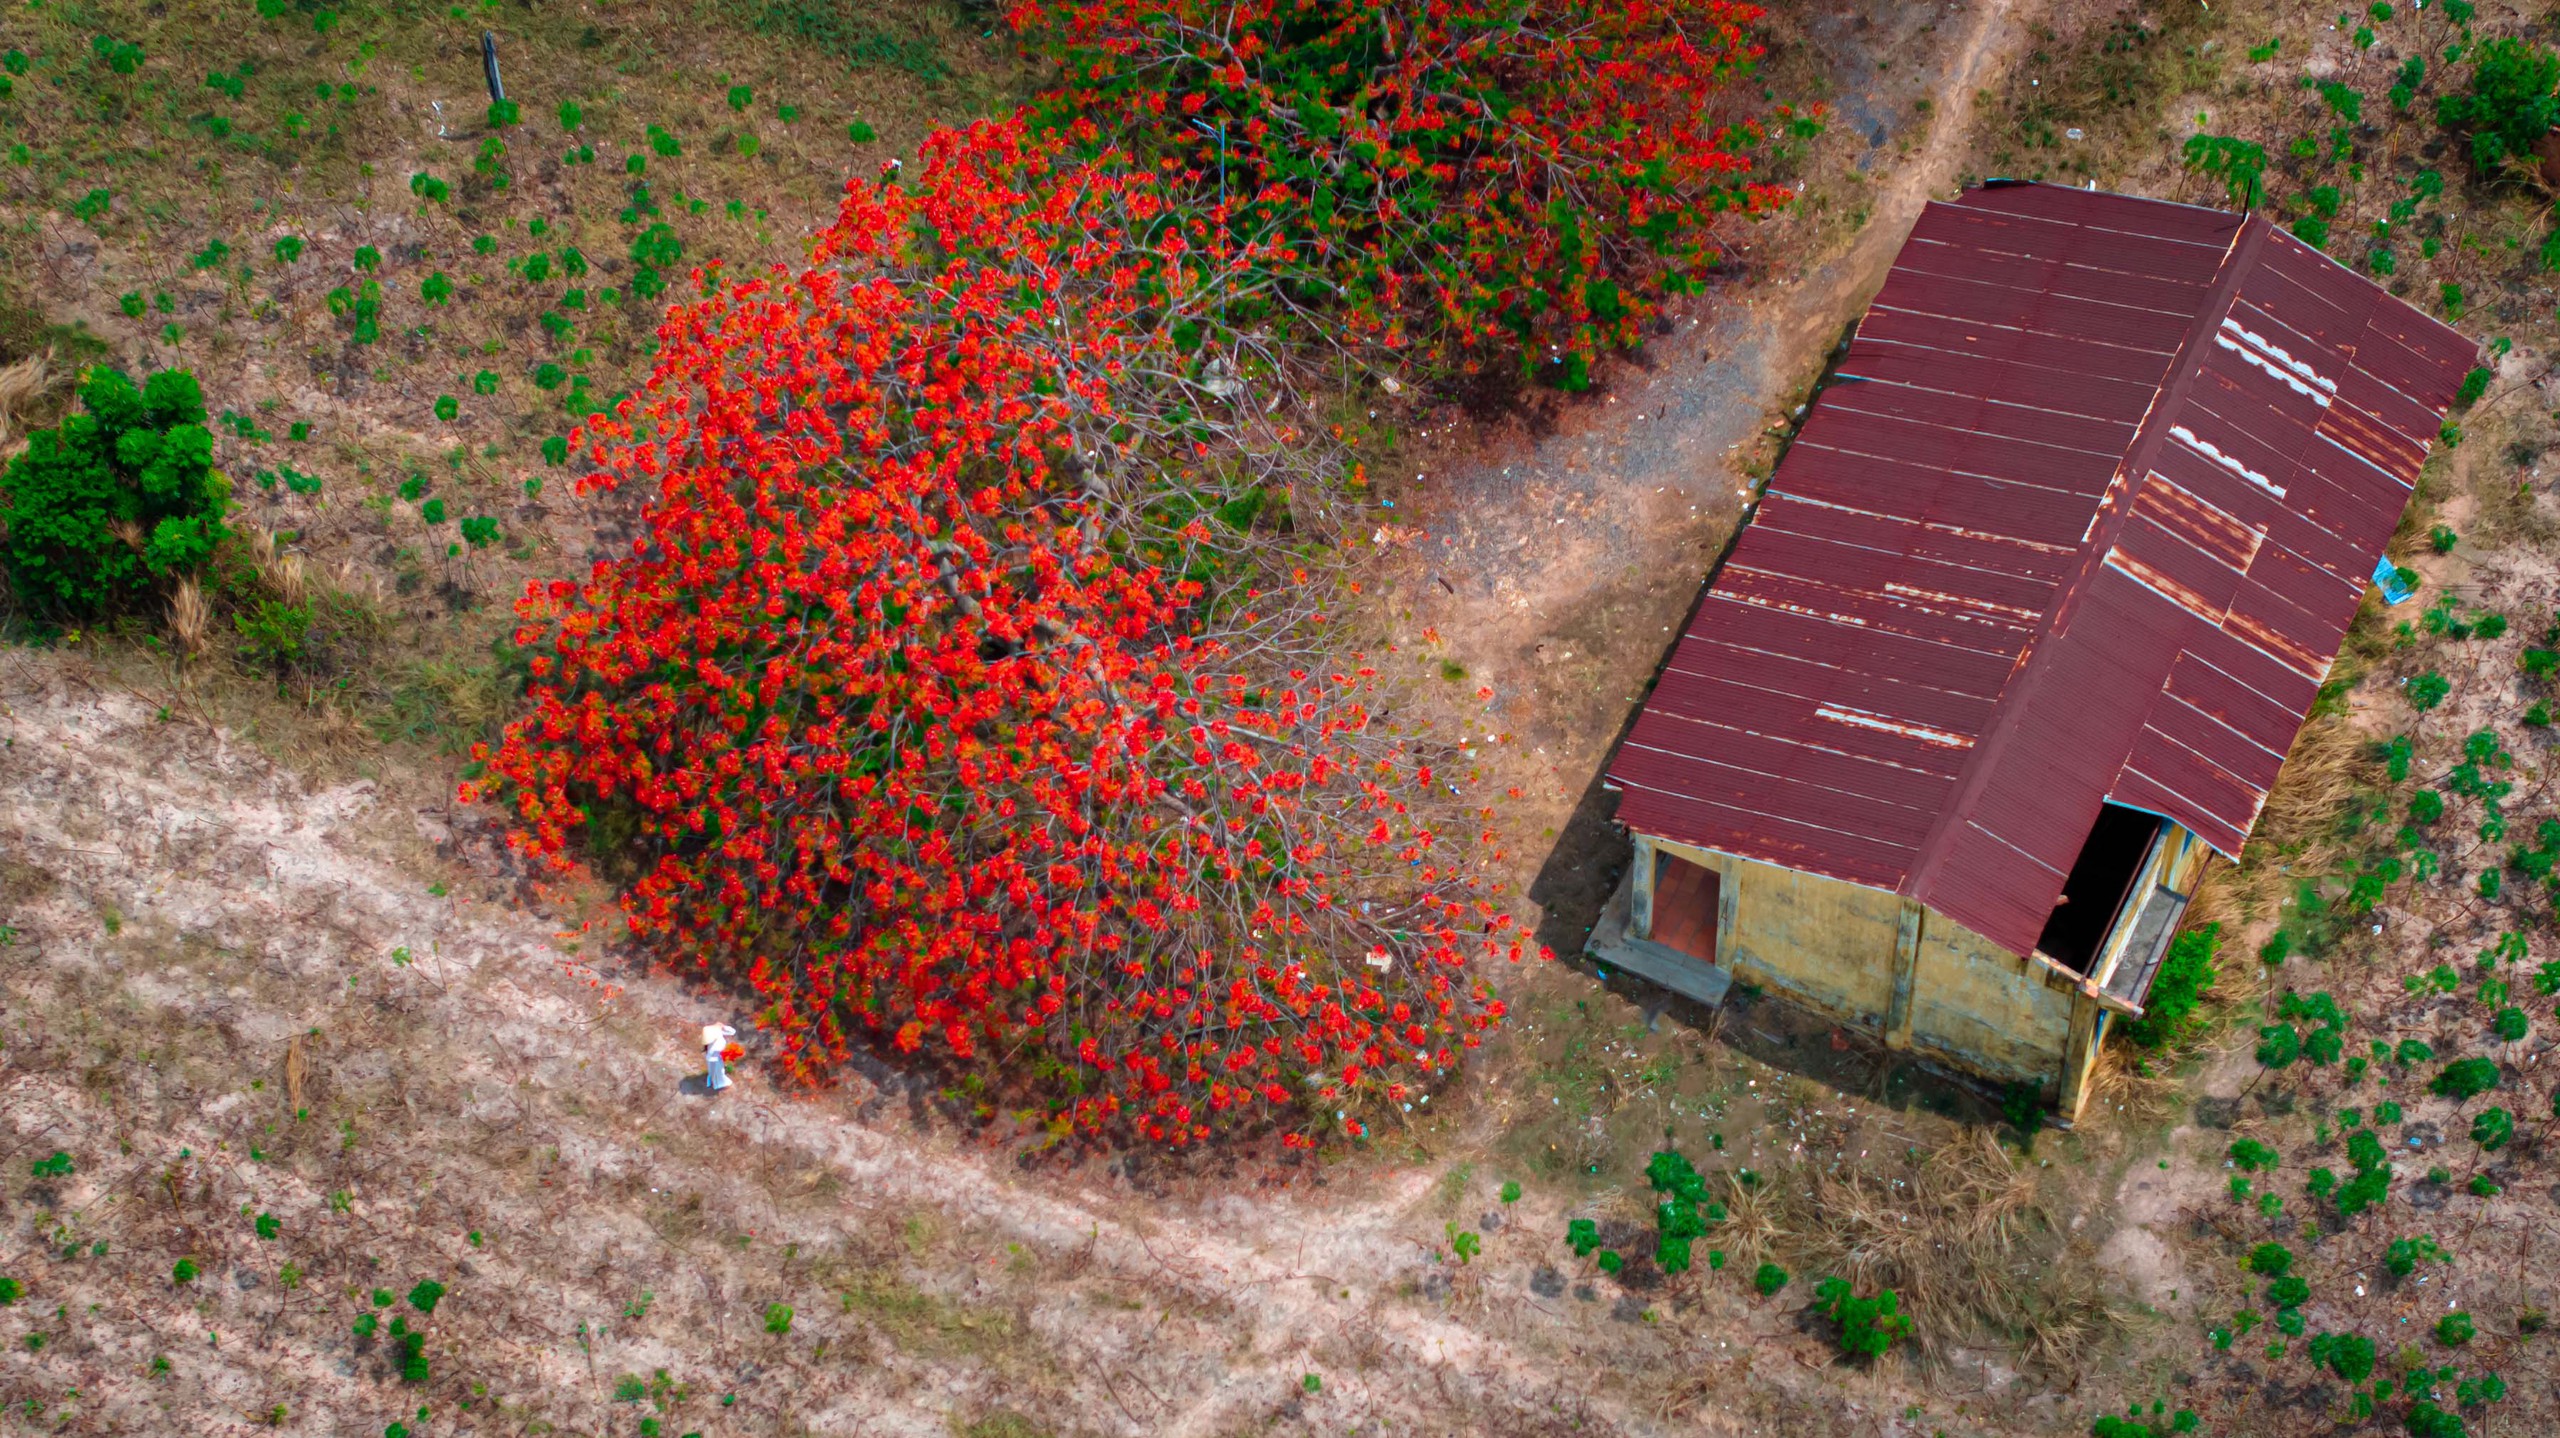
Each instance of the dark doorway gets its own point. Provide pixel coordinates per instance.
(1685, 901)
(2112, 855)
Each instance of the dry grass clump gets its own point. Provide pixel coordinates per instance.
(2318, 779)
(21, 385)
(190, 617)
(2124, 1096)
(1965, 1245)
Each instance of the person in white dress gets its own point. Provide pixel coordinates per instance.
(715, 1043)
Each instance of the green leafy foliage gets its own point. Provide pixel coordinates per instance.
(2278, 1045)
(2186, 974)
(2454, 1329)
(2349, 1355)
(57, 1165)
(2511, 102)
(2404, 1255)
(113, 499)
(1584, 1236)
(2270, 1260)
(777, 1318)
(2240, 164)
(409, 1350)
(1769, 1278)
(272, 633)
(2466, 1079)
(2492, 1127)
(2137, 1424)
(2249, 1156)
(1868, 1326)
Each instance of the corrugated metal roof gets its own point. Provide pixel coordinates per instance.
(2083, 519)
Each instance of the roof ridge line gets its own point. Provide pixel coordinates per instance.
(2115, 508)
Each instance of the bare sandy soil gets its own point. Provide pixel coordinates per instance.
(236, 997)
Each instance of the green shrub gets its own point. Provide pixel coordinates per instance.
(273, 634)
(2405, 1254)
(2426, 1420)
(2492, 1127)
(2511, 103)
(2134, 1424)
(777, 1319)
(1868, 1326)
(2369, 1187)
(2184, 976)
(113, 499)
(1584, 1236)
(2466, 1079)
(2454, 1329)
(1769, 1279)
(2348, 1355)
(2248, 1155)
(2270, 1260)
(11, 1290)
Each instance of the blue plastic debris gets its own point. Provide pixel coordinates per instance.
(2386, 577)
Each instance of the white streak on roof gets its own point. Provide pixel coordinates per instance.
(2187, 437)
(1865, 720)
(2278, 354)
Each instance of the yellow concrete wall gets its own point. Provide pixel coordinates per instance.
(1991, 1011)
(1829, 945)
(1824, 943)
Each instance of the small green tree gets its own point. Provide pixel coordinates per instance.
(1868, 1326)
(114, 498)
(2514, 101)
(2466, 1079)
(2348, 1355)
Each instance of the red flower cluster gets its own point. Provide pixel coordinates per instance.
(1455, 174)
(920, 709)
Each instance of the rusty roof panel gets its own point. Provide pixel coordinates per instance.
(2058, 316)
(1941, 335)
(1968, 226)
(2096, 210)
(1972, 415)
(2085, 520)
(2051, 466)
(1999, 511)
(2043, 387)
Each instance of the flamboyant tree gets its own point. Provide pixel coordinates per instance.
(1476, 179)
(939, 699)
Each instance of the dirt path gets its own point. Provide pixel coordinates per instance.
(1556, 567)
(495, 1119)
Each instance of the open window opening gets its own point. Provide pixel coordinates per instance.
(2100, 878)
